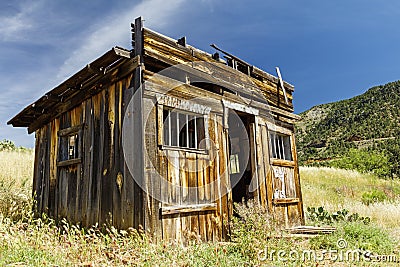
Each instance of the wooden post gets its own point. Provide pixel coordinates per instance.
(138, 131)
(296, 175)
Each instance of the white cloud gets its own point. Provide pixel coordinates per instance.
(26, 25)
(12, 25)
(115, 30)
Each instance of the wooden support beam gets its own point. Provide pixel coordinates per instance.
(140, 202)
(283, 201)
(122, 52)
(283, 163)
(305, 229)
(232, 56)
(187, 209)
(281, 83)
(70, 130)
(69, 162)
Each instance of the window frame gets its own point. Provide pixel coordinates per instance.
(186, 115)
(63, 140)
(275, 129)
(178, 104)
(280, 146)
(182, 106)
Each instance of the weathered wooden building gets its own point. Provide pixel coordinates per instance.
(165, 136)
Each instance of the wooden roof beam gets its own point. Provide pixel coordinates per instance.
(72, 86)
(251, 68)
(78, 97)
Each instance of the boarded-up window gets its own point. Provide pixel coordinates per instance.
(280, 146)
(183, 129)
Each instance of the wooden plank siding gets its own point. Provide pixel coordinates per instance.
(190, 180)
(174, 193)
(98, 189)
(169, 52)
(152, 179)
(283, 175)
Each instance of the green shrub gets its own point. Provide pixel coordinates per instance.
(364, 161)
(322, 216)
(373, 196)
(358, 232)
(250, 229)
(254, 231)
(357, 235)
(7, 145)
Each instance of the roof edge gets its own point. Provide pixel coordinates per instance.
(29, 113)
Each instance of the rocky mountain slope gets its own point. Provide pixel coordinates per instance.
(368, 123)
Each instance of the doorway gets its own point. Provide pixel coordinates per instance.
(241, 127)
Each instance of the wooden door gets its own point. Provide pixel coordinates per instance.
(285, 193)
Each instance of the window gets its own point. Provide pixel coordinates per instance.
(234, 164)
(73, 141)
(181, 129)
(280, 146)
(69, 151)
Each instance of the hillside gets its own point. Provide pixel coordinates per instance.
(366, 124)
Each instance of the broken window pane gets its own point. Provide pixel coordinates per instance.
(200, 131)
(174, 128)
(167, 128)
(192, 132)
(182, 118)
(73, 146)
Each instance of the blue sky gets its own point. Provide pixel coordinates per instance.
(330, 50)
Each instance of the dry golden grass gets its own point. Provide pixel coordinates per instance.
(16, 169)
(29, 241)
(40, 242)
(337, 189)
